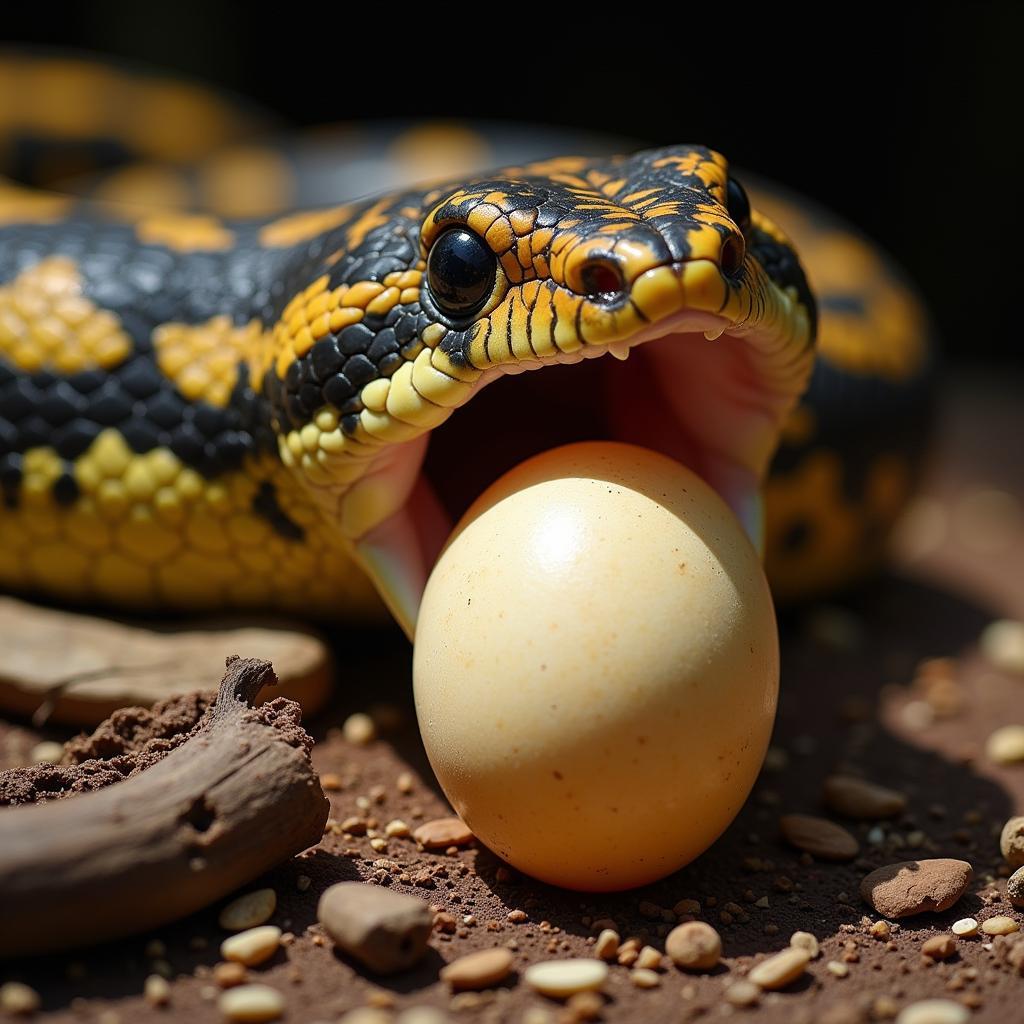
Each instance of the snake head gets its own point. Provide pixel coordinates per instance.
(425, 305)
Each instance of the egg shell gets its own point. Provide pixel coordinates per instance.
(596, 666)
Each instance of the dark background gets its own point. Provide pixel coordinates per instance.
(905, 119)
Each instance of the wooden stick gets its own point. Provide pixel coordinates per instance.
(238, 797)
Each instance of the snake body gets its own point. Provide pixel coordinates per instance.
(197, 412)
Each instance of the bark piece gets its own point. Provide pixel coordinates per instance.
(77, 669)
(236, 797)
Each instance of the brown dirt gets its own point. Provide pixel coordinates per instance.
(849, 703)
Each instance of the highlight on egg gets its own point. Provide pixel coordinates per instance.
(596, 666)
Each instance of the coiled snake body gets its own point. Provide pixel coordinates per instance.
(199, 412)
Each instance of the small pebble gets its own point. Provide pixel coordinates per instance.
(1015, 888)
(248, 911)
(479, 970)
(359, 729)
(47, 752)
(1011, 842)
(1002, 643)
(253, 946)
(649, 959)
(18, 999)
(560, 979)
(644, 977)
(743, 993)
(230, 974)
(607, 945)
(939, 947)
(405, 783)
(837, 969)
(422, 1015)
(857, 798)
(694, 946)
(441, 833)
(807, 942)
(916, 886)
(687, 907)
(1000, 926)
(385, 930)
(819, 837)
(252, 1003)
(366, 1015)
(934, 1011)
(965, 928)
(156, 990)
(585, 1006)
(331, 782)
(1006, 745)
(396, 829)
(779, 970)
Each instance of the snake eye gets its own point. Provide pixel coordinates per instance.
(738, 205)
(460, 272)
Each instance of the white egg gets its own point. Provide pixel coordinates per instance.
(596, 666)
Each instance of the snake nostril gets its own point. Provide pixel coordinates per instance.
(733, 252)
(602, 278)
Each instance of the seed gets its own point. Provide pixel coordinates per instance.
(228, 975)
(643, 977)
(441, 833)
(396, 829)
(1000, 926)
(915, 886)
(743, 993)
(560, 979)
(649, 959)
(359, 729)
(156, 991)
(517, 916)
(18, 999)
(939, 947)
(248, 911)
(857, 798)
(965, 927)
(1011, 842)
(478, 970)
(253, 946)
(47, 752)
(819, 837)
(934, 1011)
(607, 945)
(355, 826)
(780, 970)
(252, 1003)
(379, 844)
(1006, 745)
(694, 946)
(1002, 642)
(838, 969)
(1015, 888)
(807, 942)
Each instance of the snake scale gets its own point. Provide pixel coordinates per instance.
(201, 411)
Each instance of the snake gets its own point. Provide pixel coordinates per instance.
(265, 408)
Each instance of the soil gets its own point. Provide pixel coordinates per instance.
(852, 700)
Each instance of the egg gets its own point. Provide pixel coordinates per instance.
(596, 666)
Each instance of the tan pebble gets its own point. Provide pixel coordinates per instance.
(965, 928)
(1000, 926)
(649, 959)
(780, 970)
(156, 990)
(837, 969)
(560, 979)
(475, 971)
(248, 911)
(18, 999)
(857, 798)
(252, 1003)
(230, 974)
(385, 930)
(405, 783)
(1002, 643)
(379, 844)
(1006, 745)
(1011, 842)
(742, 993)
(585, 1006)
(442, 833)
(819, 837)
(607, 945)
(518, 916)
(881, 929)
(884, 1008)
(331, 782)
(396, 829)
(694, 946)
(366, 1015)
(253, 946)
(934, 1011)
(644, 977)
(422, 1015)
(48, 752)
(805, 941)
(916, 886)
(1015, 888)
(939, 947)
(537, 1015)
(354, 826)
(359, 729)
(687, 907)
